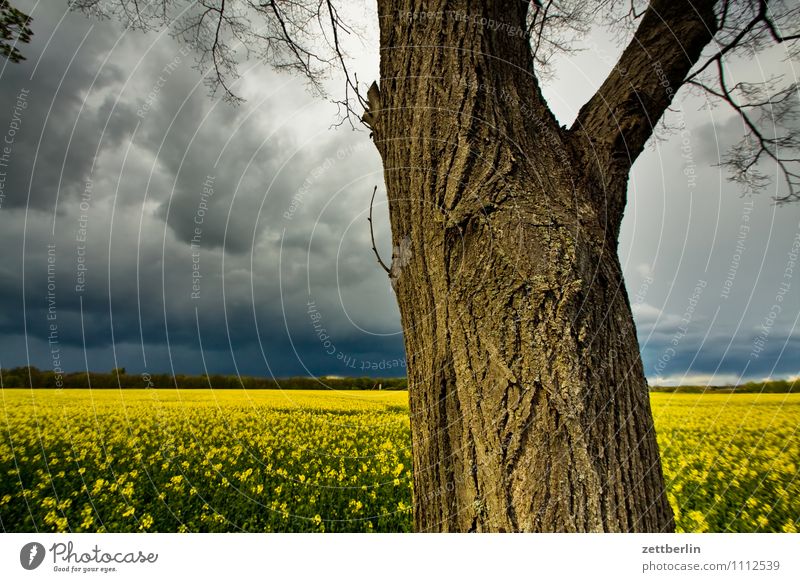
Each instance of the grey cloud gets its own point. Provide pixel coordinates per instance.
(56, 140)
(296, 226)
(714, 139)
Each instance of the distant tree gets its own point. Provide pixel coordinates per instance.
(22, 376)
(14, 29)
(529, 404)
(11, 378)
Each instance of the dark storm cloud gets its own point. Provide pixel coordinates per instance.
(53, 151)
(276, 173)
(715, 139)
(720, 356)
(287, 280)
(115, 292)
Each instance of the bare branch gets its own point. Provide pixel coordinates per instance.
(554, 26)
(653, 67)
(14, 29)
(782, 146)
(351, 84)
(290, 35)
(372, 233)
(767, 108)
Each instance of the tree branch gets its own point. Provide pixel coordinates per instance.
(372, 233)
(744, 157)
(616, 122)
(288, 34)
(14, 29)
(350, 84)
(767, 110)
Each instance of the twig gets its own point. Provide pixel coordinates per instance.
(372, 233)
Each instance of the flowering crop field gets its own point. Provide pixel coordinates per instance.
(731, 461)
(202, 460)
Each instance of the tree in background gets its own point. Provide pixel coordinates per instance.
(530, 408)
(14, 29)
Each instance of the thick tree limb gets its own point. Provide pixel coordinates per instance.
(617, 121)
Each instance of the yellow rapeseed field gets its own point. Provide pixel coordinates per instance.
(201, 460)
(731, 460)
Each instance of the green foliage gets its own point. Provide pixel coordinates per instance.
(765, 387)
(26, 377)
(14, 29)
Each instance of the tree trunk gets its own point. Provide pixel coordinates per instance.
(529, 405)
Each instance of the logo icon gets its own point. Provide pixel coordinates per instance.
(31, 555)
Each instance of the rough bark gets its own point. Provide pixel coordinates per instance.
(530, 409)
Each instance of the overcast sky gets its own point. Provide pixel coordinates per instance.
(120, 159)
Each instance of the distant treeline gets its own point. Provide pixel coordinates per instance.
(25, 377)
(770, 387)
